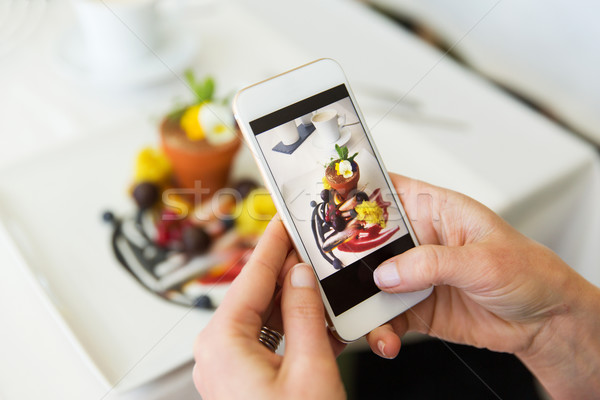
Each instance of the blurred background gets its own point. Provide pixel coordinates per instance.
(543, 52)
(497, 99)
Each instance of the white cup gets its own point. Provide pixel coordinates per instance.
(288, 133)
(117, 33)
(328, 123)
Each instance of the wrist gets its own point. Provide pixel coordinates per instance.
(565, 353)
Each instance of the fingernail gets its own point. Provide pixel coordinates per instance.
(386, 275)
(302, 276)
(381, 347)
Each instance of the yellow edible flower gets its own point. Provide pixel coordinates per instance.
(190, 122)
(151, 165)
(370, 212)
(344, 168)
(214, 119)
(256, 212)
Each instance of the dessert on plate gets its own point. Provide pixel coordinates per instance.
(201, 139)
(180, 245)
(348, 219)
(342, 174)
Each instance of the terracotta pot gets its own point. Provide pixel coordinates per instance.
(197, 164)
(343, 186)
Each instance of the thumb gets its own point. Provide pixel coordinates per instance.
(303, 316)
(423, 266)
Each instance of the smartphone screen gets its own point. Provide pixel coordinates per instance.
(335, 190)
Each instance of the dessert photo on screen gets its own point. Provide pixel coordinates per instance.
(333, 186)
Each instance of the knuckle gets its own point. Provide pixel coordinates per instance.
(271, 270)
(202, 351)
(427, 265)
(205, 347)
(198, 345)
(306, 311)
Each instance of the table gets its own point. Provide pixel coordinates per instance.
(452, 128)
(545, 51)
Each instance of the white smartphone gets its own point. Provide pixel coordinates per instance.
(331, 190)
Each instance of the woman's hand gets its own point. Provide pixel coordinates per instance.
(232, 363)
(494, 288)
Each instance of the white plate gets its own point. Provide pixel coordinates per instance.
(170, 57)
(345, 134)
(51, 208)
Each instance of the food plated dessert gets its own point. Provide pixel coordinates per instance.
(193, 228)
(201, 139)
(348, 219)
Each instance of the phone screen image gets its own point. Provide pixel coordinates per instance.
(335, 191)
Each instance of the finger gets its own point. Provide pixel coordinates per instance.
(303, 317)
(291, 260)
(274, 320)
(196, 379)
(402, 183)
(442, 216)
(419, 318)
(424, 266)
(250, 294)
(335, 344)
(384, 341)
(421, 202)
(408, 187)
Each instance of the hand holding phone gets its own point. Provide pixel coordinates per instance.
(331, 190)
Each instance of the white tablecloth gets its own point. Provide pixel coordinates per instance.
(453, 128)
(545, 50)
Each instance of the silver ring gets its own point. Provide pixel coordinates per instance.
(270, 338)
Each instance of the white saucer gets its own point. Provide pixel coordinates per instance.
(345, 135)
(168, 58)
